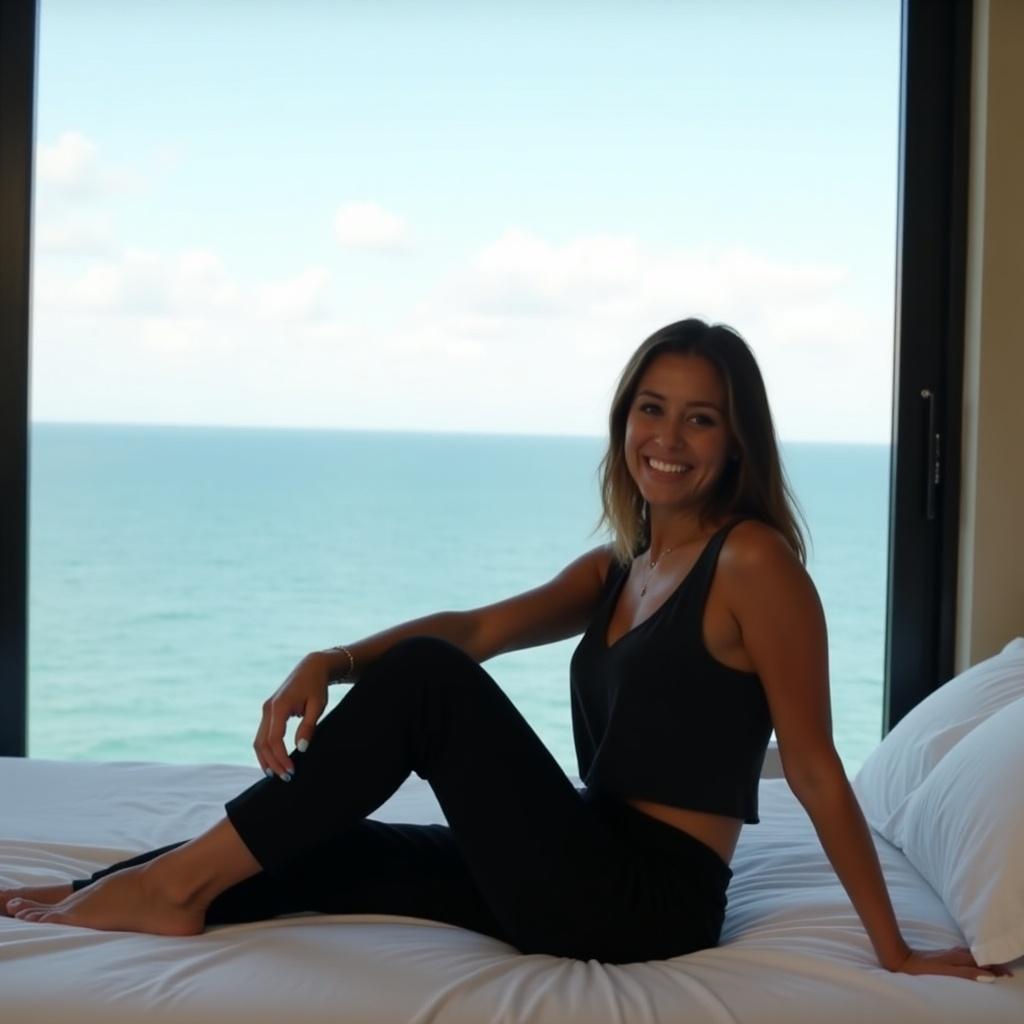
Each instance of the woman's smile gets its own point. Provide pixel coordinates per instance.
(677, 435)
(663, 467)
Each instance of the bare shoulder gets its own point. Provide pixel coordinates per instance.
(765, 586)
(753, 546)
(756, 559)
(602, 558)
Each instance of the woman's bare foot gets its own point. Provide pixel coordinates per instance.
(130, 900)
(167, 895)
(37, 893)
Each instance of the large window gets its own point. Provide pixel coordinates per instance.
(329, 305)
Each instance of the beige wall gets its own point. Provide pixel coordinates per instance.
(990, 606)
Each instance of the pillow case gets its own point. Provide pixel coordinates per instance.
(926, 734)
(963, 829)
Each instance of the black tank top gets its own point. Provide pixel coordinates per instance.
(655, 717)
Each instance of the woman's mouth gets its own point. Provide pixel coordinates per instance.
(667, 469)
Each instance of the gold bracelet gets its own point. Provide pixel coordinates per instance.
(347, 674)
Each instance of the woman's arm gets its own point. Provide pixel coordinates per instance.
(554, 611)
(783, 631)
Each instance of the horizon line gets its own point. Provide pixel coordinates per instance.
(298, 428)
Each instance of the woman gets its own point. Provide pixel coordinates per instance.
(701, 629)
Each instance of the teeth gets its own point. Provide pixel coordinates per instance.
(666, 467)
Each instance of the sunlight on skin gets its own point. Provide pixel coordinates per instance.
(48, 894)
(165, 896)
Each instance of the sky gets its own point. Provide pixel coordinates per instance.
(455, 216)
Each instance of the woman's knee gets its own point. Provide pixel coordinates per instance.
(427, 674)
(422, 655)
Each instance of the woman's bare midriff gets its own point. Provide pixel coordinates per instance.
(714, 830)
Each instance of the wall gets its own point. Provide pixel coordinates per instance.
(990, 606)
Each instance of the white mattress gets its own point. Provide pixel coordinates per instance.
(793, 950)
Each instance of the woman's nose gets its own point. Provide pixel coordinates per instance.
(672, 436)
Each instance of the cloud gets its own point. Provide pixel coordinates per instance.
(72, 165)
(142, 282)
(369, 226)
(526, 335)
(296, 298)
(555, 323)
(76, 235)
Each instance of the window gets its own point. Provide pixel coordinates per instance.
(605, 228)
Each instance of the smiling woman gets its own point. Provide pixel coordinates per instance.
(671, 722)
(695, 391)
(677, 431)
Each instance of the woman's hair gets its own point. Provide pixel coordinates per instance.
(753, 482)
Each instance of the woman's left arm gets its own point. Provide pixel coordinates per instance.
(783, 632)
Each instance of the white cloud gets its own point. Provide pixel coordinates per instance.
(554, 323)
(146, 283)
(135, 282)
(369, 226)
(297, 298)
(528, 335)
(78, 235)
(199, 281)
(73, 167)
(72, 163)
(164, 336)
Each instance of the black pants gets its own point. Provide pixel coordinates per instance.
(525, 857)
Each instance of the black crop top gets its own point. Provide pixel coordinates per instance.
(655, 717)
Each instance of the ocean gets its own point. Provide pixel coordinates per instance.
(178, 573)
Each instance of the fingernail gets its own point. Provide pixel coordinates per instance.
(285, 777)
(302, 745)
(985, 977)
(269, 772)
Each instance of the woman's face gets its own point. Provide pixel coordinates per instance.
(678, 439)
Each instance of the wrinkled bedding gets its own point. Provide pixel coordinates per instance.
(792, 949)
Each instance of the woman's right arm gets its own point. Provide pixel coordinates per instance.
(558, 609)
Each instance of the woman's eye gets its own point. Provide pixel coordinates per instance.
(649, 407)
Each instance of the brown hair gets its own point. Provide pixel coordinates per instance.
(753, 484)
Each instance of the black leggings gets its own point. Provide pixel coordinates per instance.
(525, 857)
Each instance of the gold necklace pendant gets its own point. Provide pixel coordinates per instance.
(650, 568)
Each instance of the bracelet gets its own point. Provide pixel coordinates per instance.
(347, 674)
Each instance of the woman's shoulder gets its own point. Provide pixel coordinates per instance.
(753, 546)
(760, 576)
(607, 562)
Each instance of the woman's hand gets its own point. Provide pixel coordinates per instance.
(303, 694)
(957, 962)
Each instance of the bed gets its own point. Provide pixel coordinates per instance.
(792, 948)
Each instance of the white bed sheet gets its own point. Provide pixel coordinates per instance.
(793, 950)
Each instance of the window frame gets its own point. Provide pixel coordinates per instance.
(931, 260)
(19, 20)
(928, 353)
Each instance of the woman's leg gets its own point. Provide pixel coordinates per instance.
(374, 867)
(548, 867)
(166, 895)
(552, 870)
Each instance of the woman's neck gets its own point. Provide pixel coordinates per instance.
(670, 532)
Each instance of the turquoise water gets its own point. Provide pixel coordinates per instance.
(178, 573)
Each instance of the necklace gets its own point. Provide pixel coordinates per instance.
(650, 569)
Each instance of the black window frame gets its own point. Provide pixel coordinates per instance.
(931, 258)
(930, 283)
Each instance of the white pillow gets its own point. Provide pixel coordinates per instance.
(926, 734)
(963, 829)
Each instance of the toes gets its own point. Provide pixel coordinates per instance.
(38, 914)
(21, 903)
(50, 917)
